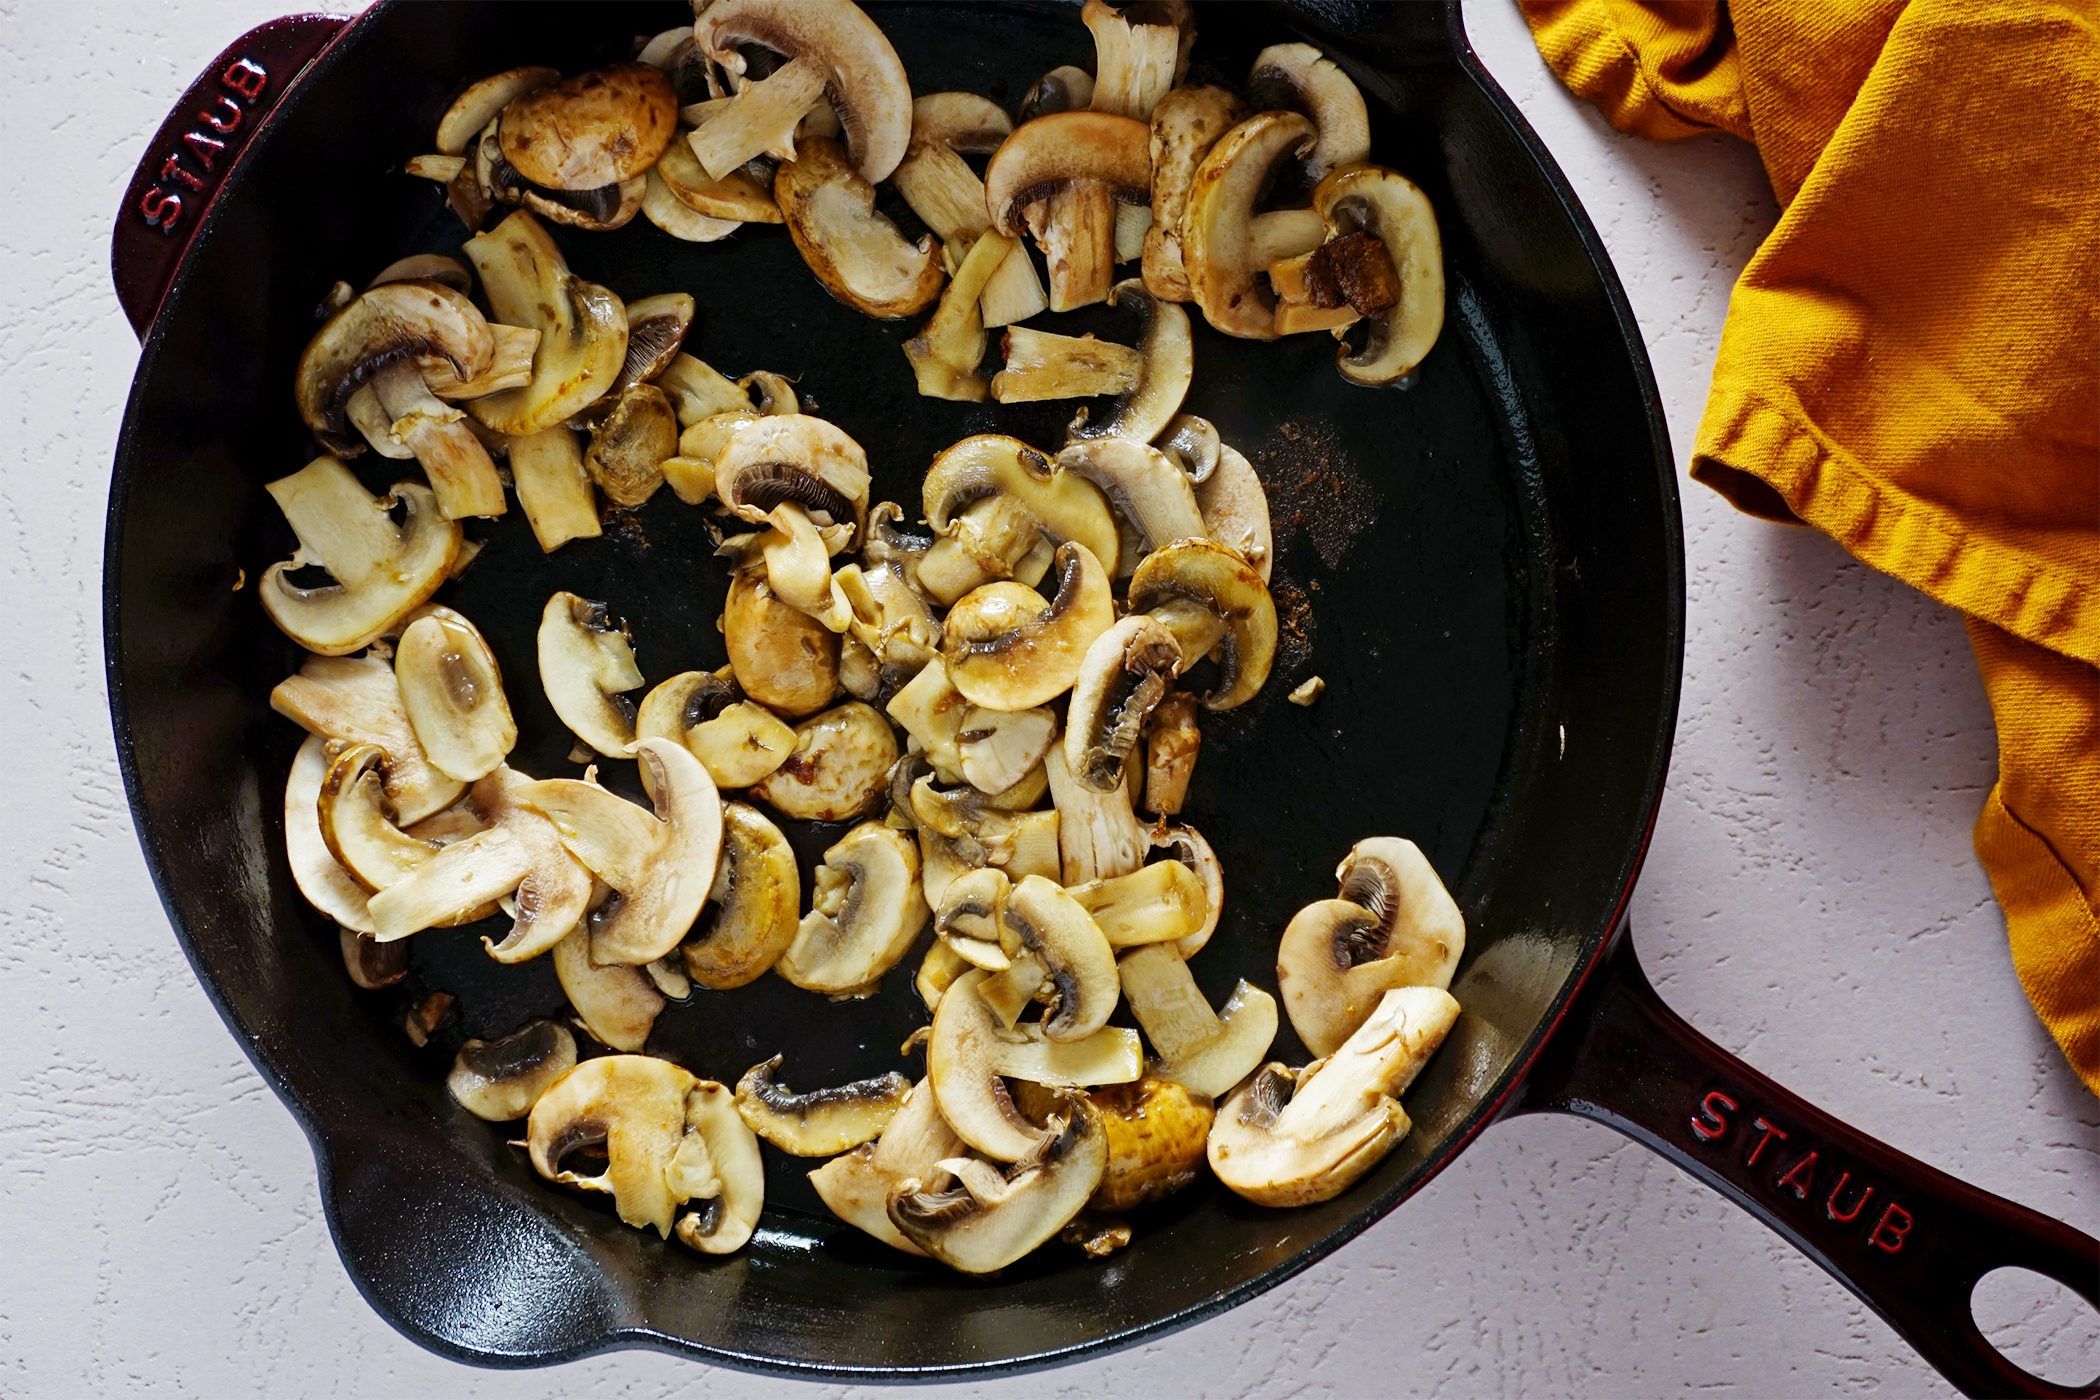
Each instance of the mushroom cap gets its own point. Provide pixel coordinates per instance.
(839, 769)
(481, 102)
(756, 897)
(1208, 578)
(501, 1079)
(631, 442)
(1393, 209)
(989, 465)
(1052, 151)
(1156, 1134)
(1167, 362)
(822, 1122)
(794, 459)
(390, 322)
(1123, 675)
(1219, 247)
(357, 699)
(596, 129)
(864, 80)
(961, 121)
(783, 658)
(1299, 78)
(1007, 648)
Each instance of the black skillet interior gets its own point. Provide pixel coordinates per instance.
(1482, 566)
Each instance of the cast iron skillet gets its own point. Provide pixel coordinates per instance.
(1487, 569)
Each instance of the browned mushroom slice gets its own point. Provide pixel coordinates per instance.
(822, 1122)
(744, 195)
(993, 1217)
(453, 694)
(1124, 674)
(1059, 177)
(379, 570)
(1186, 123)
(865, 910)
(1298, 78)
(1396, 279)
(857, 1186)
(995, 502)
(630, 444)
(1008, 648)
(857, 253)
(586, 667)
(839, 769)
(1042, 365)
(737, 741)
(663, 208)
(582, 326)
(1226, 245)
(1150, 493)
(391, 323)
(1211, 599)
(1172, 742)
(945, 353)
(656, 330)
(861, 76)
(784, 659)
(553, 488)
(756, 897)
(597, 129)
(357, 699)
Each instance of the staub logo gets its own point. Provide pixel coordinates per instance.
(1791, 1166)
(197, 161)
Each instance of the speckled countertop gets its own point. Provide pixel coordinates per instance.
(1811, 901)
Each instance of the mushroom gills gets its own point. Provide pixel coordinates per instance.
(755, 897)
(865, 911)
(857, 1185)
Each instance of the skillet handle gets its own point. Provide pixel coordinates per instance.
(202, 139)
(1910, 1240)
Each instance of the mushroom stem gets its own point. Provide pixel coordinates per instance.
(759, 121)
(461, 474)
(1042, 365)
(1076, 229)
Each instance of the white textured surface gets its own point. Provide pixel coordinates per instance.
(1811, 900)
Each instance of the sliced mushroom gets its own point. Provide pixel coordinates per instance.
(718, 1163)
(453, 695)
(743, 196)
(1235, 509)
(1172, 742)
(964, 830)
(864, 913)
(1225, 245)
(999, 748)
(1186, 123)
(971, 1053)
(794, 459)
(1394, 925)
(1156, 1134)
(1140, 51)
(993, 1218)
(389, 324)
(857, 1185)
(933, 177)
(439, 437)
(1032, 500)
(379, 571)
(582, 326)
(967, 919)
(633, 1108)
(738, 742)
(1151, 495)
(1278, 1147)
(1097, 832)
(856, 252)
(656, 330)
(763, 118)
(1212, 600)
(783, 658)
(1124, 674)
(756, 896)
(1208, 1051)
(1166, 364)
(359, 828)
(320, 877)
(1157, 903)
(662, 207)
(1066, 88)
(597, 129)
(586, 667)
(945, 353)
(372, 965)
(1078, 963)
(885, 613)
(1298, 78)
(839, 769)
(1390, 208)
(509, 368)
(618, 1004)
(358, 700)
(697, 391)
(1007, 648)
(1060, 177)
(1186, 844)
(554, 490)
(483, 101)
(930, 709)
(630, 443)
(501, 1079)
(822, 1122)
(1042, 365)
(863, 79)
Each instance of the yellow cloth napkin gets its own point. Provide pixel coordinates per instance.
(1911, 362)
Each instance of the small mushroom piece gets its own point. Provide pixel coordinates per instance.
(863, 79)
(822, 1122)
(963, 830)
(934, 179)
(1097, 833)
(697, 391)
(582, 326)
(483, 101)
(1205, 1050)
(509, 368)
(499, 1080)
(945, 353)
(762, 119)
(738, 742)
(784, 659)
(663, 208)
(392, 323)
(1156, 903)
(1049, 504)
(999, 748)
(1151, 495)
(1212, 600)
(839, 768)
(857, 1185)
(1280, 1147)
(616, 1003)
(358, 825)
(1235, 509)
(937, 973)
(1172, 742)
(718, 1164)
(794, 459)
(1226, 246)
(1124, 674)
(755, 898)
(380, 570)
(1298, 78)
(656, 330)
(1394, 925)
(358, 700)
(659, 866)
(1007, 648)
(1078, 963)
(1042, 365)
(1186, 123)
(930, 710)
(1066, 88)
(856, 252)
(1140, 51)
(1059, 177)
(864, 913)
(319, 875)
(586, 667)
(452, 692)
(598, 128)
(630, 443)
(967, 920)
(634, 1108)
(886, 614)
(994, 1218)
(1186, 844)
(1166, 364)
(554, 490)
(743, 196)
(1156, 1134)
(1389, 207)
(373, 966)
(439, 437)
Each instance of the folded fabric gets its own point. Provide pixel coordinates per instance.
(1911, 362)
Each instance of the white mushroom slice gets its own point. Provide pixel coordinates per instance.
(1041, 365)
(698, 390)
(586, 666)
(783, 658)
(933, 177)
(375, 425)
(755, 898)
(509, 368)
(394, 323)
(1235, 509)
(321, 878)
(1172, 742)
(1225, 245)
(1395, 925)
(760, 120)
(484, 101)
(661, 867)
(864, 80)
(617, 1004)
(358, 827)
(738, 742)
(662, 207)
(967, 918)
(945, 353)
(857, 1186)
(1078, 964)
(839, 768)
(937, 973)
(1389, 208)
(798, 460)
(1149, 492)
(1138, 54)
(994, 1218)
(1059, 178)
(864, 913)
(452, 692)
(1097, 833)
(1186, 123)
(554, 490)
(1166, 364)
(1044, 504)
(930, 709)
(1019, 843)
(1158, 903)
(1297, 78)
(744, 195)
(1188, 846)
(438, 436)
(1205, 1050)
(634, 1108)
(997, 749)
(1008, 648)
(1124, 674)
(358, 700)
(380, 571)
(971, 1053)
(582, 326)
(822, 1122)
(718, 1163)
(1280, 1148)
(500, 1080)
(1014, 293)
(1214, 602)
(856, 252)
(773, 395)
(887, 615)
